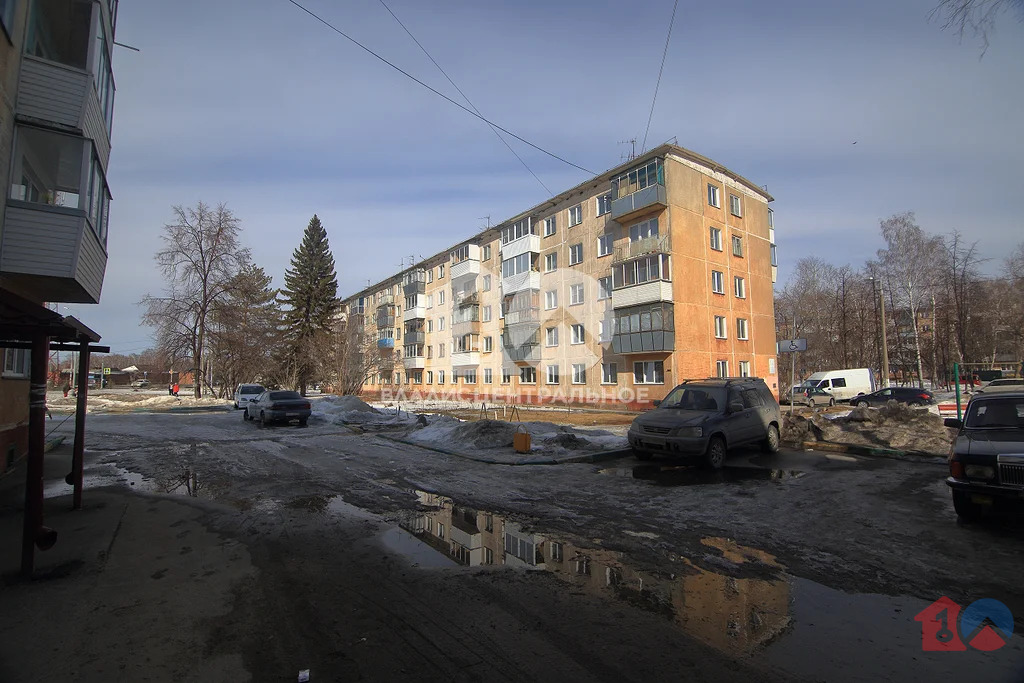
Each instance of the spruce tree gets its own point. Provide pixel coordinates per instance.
(310, 296)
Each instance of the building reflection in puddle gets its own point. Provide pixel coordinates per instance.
(735, 598)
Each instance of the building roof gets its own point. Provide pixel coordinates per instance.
(604, 177)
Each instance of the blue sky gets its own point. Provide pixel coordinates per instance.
(257, 105)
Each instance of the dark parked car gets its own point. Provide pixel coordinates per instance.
(909, 395)
(704, 418)
(811, 396)
(986, 462)
(278, 406)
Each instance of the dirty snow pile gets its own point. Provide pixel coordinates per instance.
(453, 434)
(894, 425)
(124, 403)
(348, 410)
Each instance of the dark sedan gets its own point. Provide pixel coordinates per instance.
(278, 406)
(909, 395)
(986, 462)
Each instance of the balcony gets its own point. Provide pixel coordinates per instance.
(414, 362)
(521, 354)
(52, 251)
(520, 281)
(386, 343)
(658, 244)
(464, 268)
(462, 327)
(416, 337)
(641, 201)
(644, 342)
(466, 298)
(646, 293)
(414, 313)
(526, 315)
(464, 358)
(386, 300)
(527, 243)
(414, 282)
(384, 320)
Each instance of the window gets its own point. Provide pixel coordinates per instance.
(721, 368)
(713, 196)
(651, 173)
(771, 218)
(488, 376)
(771, 366)
(579, 373)
(602, 332)
(720, 327)
(430, 300)
(468, 376)
(440, 273)
(550, 299)
(486, 317)
(740, 287)
(604, 287)
(575, 294)
(576, 215)
(604, 245)
(551, 336)
(520, 228)
(440, 530)
(735, 206)
(487, 252)
(440, 373)
(550, 226)
(556, 552)
(487, 283)
(741, 328)
(440, 298)
(430, 275)
(17, 363)
(506, 375)
(737, 245)
(774, 256)
(461, 254)
(649, 372)
(488, 344)
(579, 335)
(646, 318)
(604, 204)
(441, 349)
(528, 375)
(717, 282)
(551, 374)
(609, 373)
(575, 254)
(440, 324)
(643, 230)
(430, 376)
(641, 270)
(523, 263)
(551, 262)
(716, 239)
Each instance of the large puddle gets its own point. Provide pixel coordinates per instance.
(682, 475)
(737, 599)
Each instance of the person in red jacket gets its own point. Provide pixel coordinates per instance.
(174, 389)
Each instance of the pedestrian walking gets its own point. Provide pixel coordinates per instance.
(174, 389)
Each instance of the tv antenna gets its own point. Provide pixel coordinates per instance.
(485, 218)
(632, 145)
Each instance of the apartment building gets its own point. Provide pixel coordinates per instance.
(659, 270)
(56, 111)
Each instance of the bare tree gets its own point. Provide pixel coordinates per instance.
(977, 17)
(201, 254)
(356, 355)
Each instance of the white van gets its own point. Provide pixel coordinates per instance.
(842, 384)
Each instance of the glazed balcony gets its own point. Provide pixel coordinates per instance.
(640, 202)
(414, 313)
(657, 244)
(414, 362)
(520, 281)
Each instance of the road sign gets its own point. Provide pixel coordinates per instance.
(106, 371)
(789, 345)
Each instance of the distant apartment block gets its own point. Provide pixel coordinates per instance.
(654, 272)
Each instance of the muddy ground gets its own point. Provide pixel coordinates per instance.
(363, 559)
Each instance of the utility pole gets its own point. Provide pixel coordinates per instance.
(885, 346)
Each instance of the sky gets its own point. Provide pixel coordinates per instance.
(255, 104)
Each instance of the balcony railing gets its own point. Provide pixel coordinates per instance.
(383, 320)
(467, 298)
(415, 337)
(643, 342)
(527, 243)
(520, 281)
(646, 293)
(414, 313)
(464, 268)
(386, 343)
(460, 359)
(634, 203)
(525, 315)
(657, 244)
(386, 300)
(414, 362)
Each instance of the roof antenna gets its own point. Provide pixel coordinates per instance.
(486, 218)
(632, 143)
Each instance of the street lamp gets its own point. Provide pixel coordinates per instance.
(885, 346)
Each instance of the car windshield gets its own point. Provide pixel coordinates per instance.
(1000, 413)
(283, 395)
(252, 389)
(695, 398)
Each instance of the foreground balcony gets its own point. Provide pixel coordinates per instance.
(646, 293)
(639, 202)
(414, 362)
(527, 243)
(414, 313)
(520, 281)
(643, 342)
(464, 268)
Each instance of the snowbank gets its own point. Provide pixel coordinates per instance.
(451, 433)
(123, 403)
(894, 425)
(350, 410)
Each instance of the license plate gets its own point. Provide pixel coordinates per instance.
(293, 414)
(980, 499)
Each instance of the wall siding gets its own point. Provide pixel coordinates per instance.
(52, 92)
(92, 263)
(39, 242)
(95, 128)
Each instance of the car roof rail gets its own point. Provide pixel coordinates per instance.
(726, 381)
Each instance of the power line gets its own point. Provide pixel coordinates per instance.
(435, 91)
(465, 97)
(672, 21)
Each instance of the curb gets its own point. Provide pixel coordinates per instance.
(875, 451)
(538, 460)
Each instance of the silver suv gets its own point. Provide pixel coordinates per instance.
(704, 418)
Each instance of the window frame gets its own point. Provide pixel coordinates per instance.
(714, 196)
(552, 374)
(576, 254)
(551, 225)
(715, 239)
(737, 246)
(605, 244)
(735, 205)
(654, 366)
(573, 290)
(577, 334)
(718, 282)
(579, 373)
(739, 287)
(742, 329)
(721, 328)
(605, 374)
(551, 262)
(575, 215)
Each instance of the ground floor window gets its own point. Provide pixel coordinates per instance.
(721, 368)
(579, 373)
(649, 372)
(609, 373)
(744, 368)
(17, 363)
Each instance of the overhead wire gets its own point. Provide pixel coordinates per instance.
(672, 21)
(434, 90)
(464, 96)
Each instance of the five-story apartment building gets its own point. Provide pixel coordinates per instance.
(615, 291)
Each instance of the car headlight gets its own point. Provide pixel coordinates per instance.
(979, 471)
(690, 431)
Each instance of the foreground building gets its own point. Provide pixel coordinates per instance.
(615, 291)
(56, 110)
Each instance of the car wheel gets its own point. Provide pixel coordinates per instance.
(810, 403)
(716, 452)
(862, 404)
(966, 510)
(236, 405)
(771, 440)
(831, 402)
(303, 421)
(642, 455)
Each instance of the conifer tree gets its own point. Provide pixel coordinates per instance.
(310, 299)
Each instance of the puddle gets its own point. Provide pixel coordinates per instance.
(680, 475)
(737, 599)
